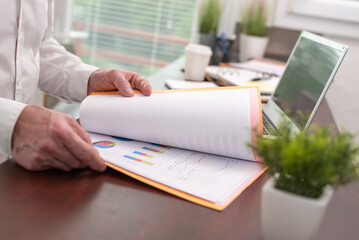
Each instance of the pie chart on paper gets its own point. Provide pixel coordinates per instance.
(104, 144)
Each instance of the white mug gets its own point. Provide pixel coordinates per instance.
(197, 59)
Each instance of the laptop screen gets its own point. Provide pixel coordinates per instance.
(306, 78)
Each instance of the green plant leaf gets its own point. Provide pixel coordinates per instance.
(254, 18)
(209, 16)
(305, 163)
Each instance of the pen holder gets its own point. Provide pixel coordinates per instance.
(225, 45)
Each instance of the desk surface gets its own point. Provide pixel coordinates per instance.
(84, 204)
(87, 205)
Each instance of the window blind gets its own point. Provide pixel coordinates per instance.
(137, 35)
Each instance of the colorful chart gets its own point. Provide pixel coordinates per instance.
(104, 144)
(122, 139)
(138, 160)
(143, 154)
(162, 146)
(152, 150)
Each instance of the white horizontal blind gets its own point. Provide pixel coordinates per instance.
(136, 35)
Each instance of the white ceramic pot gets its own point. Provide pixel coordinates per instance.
(251, 46)
(289, 216)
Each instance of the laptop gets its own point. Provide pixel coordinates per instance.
(309, 71)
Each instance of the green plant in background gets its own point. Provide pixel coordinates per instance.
(254, 17)
(305, 163)
(209, 16)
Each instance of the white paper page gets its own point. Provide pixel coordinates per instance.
(182, 84)
(216, 121)
(210, 177)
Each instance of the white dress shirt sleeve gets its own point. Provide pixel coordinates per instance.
(61, 73)
(10, 112)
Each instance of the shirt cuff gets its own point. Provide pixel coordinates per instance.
(10, 112)
(78, 81)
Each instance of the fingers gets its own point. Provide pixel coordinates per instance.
(146, 88)
(82, 134)
(44, 139)
(67, 157)
(76, 146)
(140, 83)
(125, 82)
(58, 164)
(121, 83)
(82, 149)
(57, 151)
(40, 161)
(79, 130)
(86, 153)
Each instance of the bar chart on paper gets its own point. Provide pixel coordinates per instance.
(133, 152)
(138, 160)
(200, 174)
(143, 154)
(152, 150)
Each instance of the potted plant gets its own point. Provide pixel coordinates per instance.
(304, 167)
(209, 16)
(253, 39)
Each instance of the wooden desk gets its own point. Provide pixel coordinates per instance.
(87, 205)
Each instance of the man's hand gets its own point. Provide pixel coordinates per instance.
(113, 79)
(44, 139)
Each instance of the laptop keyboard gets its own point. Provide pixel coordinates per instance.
(268, 126)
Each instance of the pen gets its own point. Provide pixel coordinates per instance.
(261, 78)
